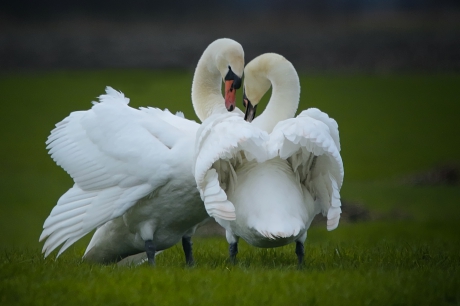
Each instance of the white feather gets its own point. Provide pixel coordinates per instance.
(133, 168)
(110, 176)
(221, 138)
(289, 177)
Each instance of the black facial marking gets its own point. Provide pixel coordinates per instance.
(231, 76)
(237, 82)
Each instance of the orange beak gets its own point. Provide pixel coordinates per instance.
(230, 95)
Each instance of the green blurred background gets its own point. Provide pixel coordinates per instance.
(387, 71)
(391, 128)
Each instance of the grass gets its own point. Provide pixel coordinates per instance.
(390, 126)
(352, 271)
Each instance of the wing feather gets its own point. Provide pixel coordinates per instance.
(116, 155)
(330, 122)
(220, 142)
(311, 143)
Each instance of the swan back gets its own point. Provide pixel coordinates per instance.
(272, 69)
(218, 58)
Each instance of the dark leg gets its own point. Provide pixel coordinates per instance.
(300, 251)
(233, 250)
(150, 250)
(187, 246)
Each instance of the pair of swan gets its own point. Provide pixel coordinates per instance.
(262, 181)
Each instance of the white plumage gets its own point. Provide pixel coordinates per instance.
(134, 167)
(116, 155)
(278, 172)
(313, 135)
(224, 141)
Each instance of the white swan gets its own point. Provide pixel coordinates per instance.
(137, 165)
(277, 183)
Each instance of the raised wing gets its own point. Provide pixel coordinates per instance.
(116, 155)
(187, 127)
(311, 143)
(223, 141)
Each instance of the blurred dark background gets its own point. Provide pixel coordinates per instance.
(345, 36)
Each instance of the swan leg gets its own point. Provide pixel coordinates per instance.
(233, 250)
(150, 250)
(300, 251)
(187, 246)
(233, 245)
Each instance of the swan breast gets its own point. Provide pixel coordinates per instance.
(269, 203)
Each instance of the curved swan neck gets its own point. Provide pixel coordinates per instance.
(285, 93)
(207, 96)
(206, 88)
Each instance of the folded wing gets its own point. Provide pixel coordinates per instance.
(224, 141)
(310, 142)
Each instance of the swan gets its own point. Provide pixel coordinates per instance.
(279, 172)
(132, 168)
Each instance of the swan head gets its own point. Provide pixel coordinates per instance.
(256, 83)
(232, 83)
(230, 63)
(260, 74)
(222, 61)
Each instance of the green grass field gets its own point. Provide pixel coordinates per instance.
(391, 127)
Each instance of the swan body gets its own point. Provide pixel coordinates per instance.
(294, 173)
(282, 215)
(132, 168)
